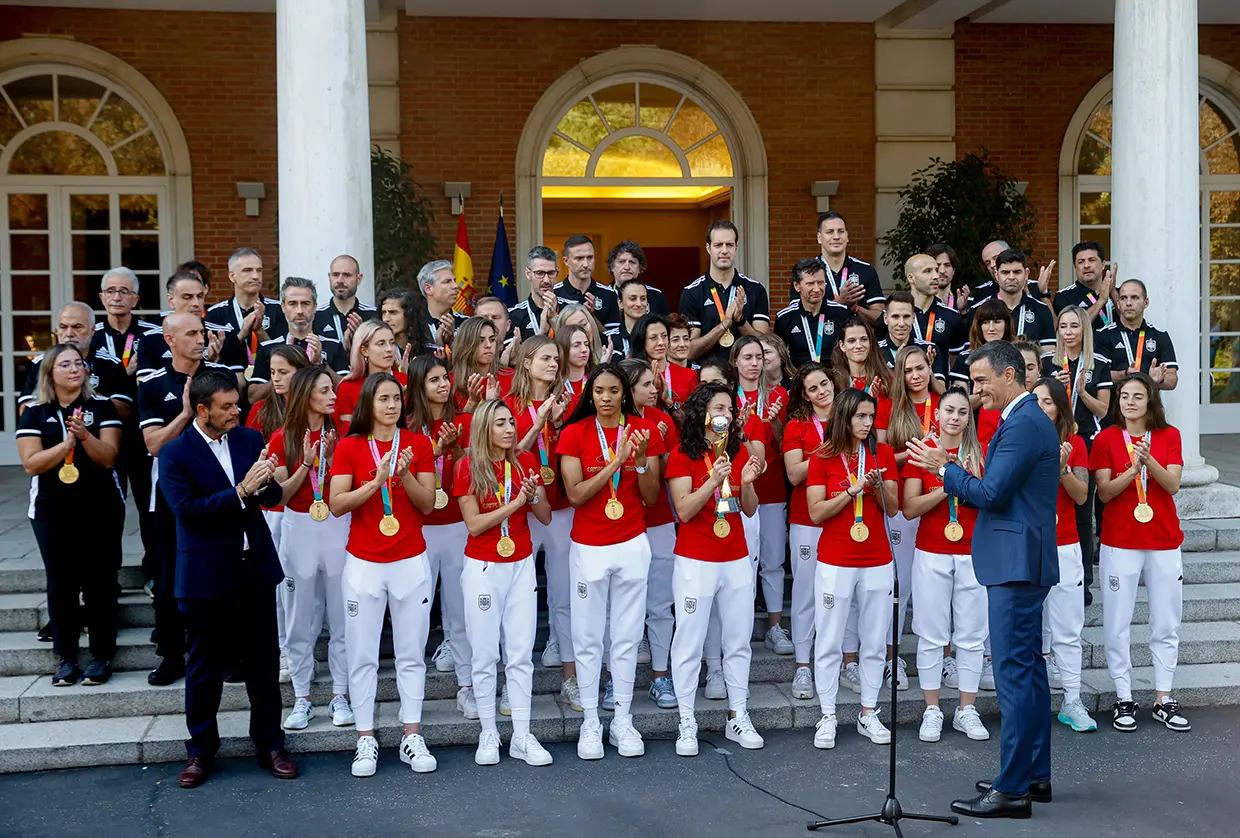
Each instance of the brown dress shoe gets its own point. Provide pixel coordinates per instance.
(195, 772)
(280, 764)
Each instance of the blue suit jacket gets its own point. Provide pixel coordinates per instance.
(211, 520)
(1014, 538)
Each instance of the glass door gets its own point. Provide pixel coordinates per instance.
(1220, 251)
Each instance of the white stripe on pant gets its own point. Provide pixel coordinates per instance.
(1063, 618)
(445, 547)
(659, 594)
(804, 542)
(903, 542)
(1119, 571)
(312, 553)
(947, 593)
(713, 645)
(772, 538)
(555, 541)
(835, 589)
(696, 587)
(273, 519)
(608, 582)
(370, 588)
(501, 605)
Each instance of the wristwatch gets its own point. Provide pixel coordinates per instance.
(640, 469)
(942, 471)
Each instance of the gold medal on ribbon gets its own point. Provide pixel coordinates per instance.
(249, 371)
(319, 510)
(389, 526)
(441, 498)
(547, 473)
(722, 528)
(859, 532)
(614, 509)
(506, 547)
(726, 339)
(69, 474)
(953, 531)
(1143, 513)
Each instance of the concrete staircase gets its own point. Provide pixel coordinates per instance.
(127, 721)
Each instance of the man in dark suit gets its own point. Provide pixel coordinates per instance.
(216, 477)
(1015, 557)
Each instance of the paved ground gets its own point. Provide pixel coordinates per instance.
(1108, 784)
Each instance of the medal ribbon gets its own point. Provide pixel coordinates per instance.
(951, 508)
(815, 347)
(606, 449)
(544, 437)
(1135, 361)
(859, 500)
(1102, 312)
(439, 458)
(504, 495)
(667, 379)
(714, 293)
(374, 452)
(925, 416)
(319, 471)
(1143, 481)
(1074, 381)
(64, 434)
(835, 288)
(710, 472)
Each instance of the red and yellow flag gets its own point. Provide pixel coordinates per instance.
(463, 268)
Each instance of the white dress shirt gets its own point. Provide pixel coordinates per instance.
(1011, 406)
(219, 447)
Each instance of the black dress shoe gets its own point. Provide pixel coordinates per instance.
(994, 804)
(167, 673)
(1039, 790)
(45, 634)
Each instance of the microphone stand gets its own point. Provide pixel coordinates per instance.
(892, 812)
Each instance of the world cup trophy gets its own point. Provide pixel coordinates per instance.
(727, 501)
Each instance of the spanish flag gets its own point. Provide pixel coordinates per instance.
(463, 267)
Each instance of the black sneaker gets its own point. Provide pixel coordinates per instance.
(45, 633)
(98, 671)
(1124, 716)
(67, 674)
(169, 671)
(1169, 714)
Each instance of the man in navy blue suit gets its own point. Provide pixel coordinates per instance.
(1015, 557)
(217, 477)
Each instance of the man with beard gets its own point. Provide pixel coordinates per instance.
(298, 300)
(627, 261)
(247, 316)
(187, 294)
(340, 316)
(1094, 289)
(535, 314)
(1031, 317)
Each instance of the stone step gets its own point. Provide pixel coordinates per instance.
(1202, 603)
(25, 574)
(21, 653)
(1211, 534)
(27, 612)
(1200, 643)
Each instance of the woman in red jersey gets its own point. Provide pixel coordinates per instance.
(374, 350)
(651, 343)
(991, 321)
(475, 363)
(386, 479)
(496, 486)
(574, 343)
(855, 355)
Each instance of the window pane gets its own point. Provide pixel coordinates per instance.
(140, 252)
(1095, 207)
(563, 159)
(1100, 123)
(139, 212)
(150, 291)
(658, 104)
(29, 252)
(618, 105)
(91, 252)
(1225, 316)
(1095, 158)
(57, 153)
(31, 333)
(690, 125)
(710, 159)
(9, 123)
(1224, 158)
(27, 212)
(1225, 281)
(117, 120)
(140, 156)
(33, 98)
(1225, 207)
(638, 157)
(1225, 243)
(89, 212)
(1212, 124)
(78, 99)
(32, 293)
(582, 124)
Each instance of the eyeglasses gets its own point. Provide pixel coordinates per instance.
(116, 292)
(544, 274)
(65, 366)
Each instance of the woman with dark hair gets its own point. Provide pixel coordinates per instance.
(1063, 616)
(312, 542)
(1138, 463)
(399, 310)
(68, 440)
(651, 342)
(386, 479)
(475, 363)
(679, 340)
(856, 357)
(373, 350)
(609, 480)
(718, 372)
(991, 321)
(854, 557)
(633, 307)
(704, 476)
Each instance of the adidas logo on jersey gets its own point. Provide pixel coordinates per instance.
(170, 397)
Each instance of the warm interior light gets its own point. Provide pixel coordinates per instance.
(679, 193)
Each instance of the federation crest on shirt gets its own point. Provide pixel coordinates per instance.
(896, 535)
(94, 381)
(940, 326)
(598, 304)
(351, 608)
(804, 552)
(266, 322)
(828, 601)
(1114, 583)
(1029, 318)
(1151, 345)
(88, 417)
(1089, 376)
(582, 590)
(829, 327)
(484, 602)
(290, 584)
(690, 605)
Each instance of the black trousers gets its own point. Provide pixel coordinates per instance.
(134, 473)
(81, 557)
(235, 631)
(169, 622)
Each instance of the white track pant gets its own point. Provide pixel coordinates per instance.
(312, 553)
(659, 594)
(903, 539)
(804, 543)
(608, 581)
(501, 606)
(273, 519)
(445, 547)
(555, 542)
(697, 586)
(947, 594)
(772, 539)
(1119, 572)
(713, 644)
(370, 588)
(1063, 618)
(835, 589)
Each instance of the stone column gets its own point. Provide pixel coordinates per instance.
(323, 118)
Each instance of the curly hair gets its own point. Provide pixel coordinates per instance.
(693, 430)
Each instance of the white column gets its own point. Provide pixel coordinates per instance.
(323, 117)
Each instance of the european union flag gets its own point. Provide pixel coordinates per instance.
(502, 280)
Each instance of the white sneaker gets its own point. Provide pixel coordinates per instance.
(988, 676)
(467, 703)
(443, 660)
(414, 753)
(740, 730)
(778, 641)
(299, 718)
(643, 651)
(551, 653)
(931, 725)
(1053, 674)
(951, 675)
(1074, 715)
(850, 676)
(286, 676)
(570, 692)
(488, 748)
(366, 757)
(590, 740)
(529, 749)
(901, 674)
(342, 713)
(686, 737)
(873, 729)
(824, 733)
(505, 707)
(967, 721)
(625, 738)
(716, 687)
(803, 683)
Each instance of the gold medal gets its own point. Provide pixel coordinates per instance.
(69, 474)
(441, 498)
(506, 547)
(726, 339)
(859, 532)
(389, 526)
(547, 473)
(722, 528)
(249, 371)
(319, 510)
(1143, 513)
(953, 531)
(615, 509)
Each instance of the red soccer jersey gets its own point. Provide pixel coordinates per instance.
(1065, 507)
(545, 445)
(927, 414)
(300, 502)
(802, 435)
(931, 535)
(695, 538)
(1119, 527)
(251, 421)
(987, 424)
(835, 545)
(485, 546)
(349, 389)
(770, 484)
(682, 379)
(445, 468)
(355, 459)
(661, 512)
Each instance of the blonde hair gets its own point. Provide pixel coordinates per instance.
(484, 453)
(905, 423)
(522, 385)
(775, 342)
(970, 453)
(592, 327)
(465, 345)
(1087, 339)
(46, 386)
(359, 364)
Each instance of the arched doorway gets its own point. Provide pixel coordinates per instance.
(645, 144)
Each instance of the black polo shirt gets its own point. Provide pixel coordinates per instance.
(1031, 318)
(226, 316)
(698, 307)
(96, 489)
(159, 394)
(856, 270)
(1082, 296)
(330, 323)
(107, 378)
(888, 351)
(799, 330)
(960, 372)
(606, 303)
(990, 288)
(334, 357)
(526, 318)
(154, 354)
(1120, 344)
(1096, 379)
(113, 342)
(950, 334)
